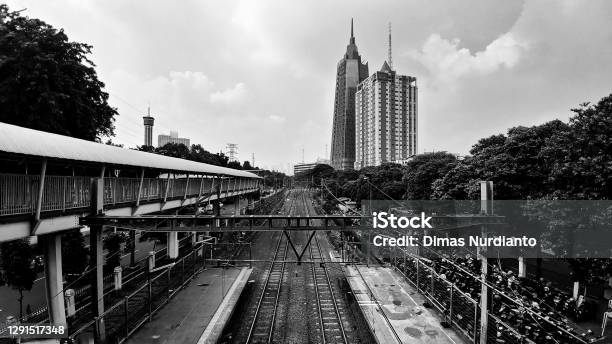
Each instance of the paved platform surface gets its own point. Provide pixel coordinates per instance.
(224, 312)
(404, 319)
(184, 319)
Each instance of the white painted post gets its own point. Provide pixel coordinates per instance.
(576, 290)
(173, 247)
(117, 277)
(70, 302)
(522, 269)
(151, 260)
(201, 249)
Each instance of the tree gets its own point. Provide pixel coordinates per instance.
(235, 165)
(17, 263)
(458, 183)
(112, 244)
(555, 160)
(386, 182)
(198, 153)
(318, 173)
(110, 142)
(246, 165)
(48, 83)
(176, 150)
(423, 170)
(145, 148)
(74, 253)
(519, 164)
(581, 156)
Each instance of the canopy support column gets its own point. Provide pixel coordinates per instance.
(54, 278)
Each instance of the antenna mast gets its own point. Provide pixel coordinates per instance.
(389, 52)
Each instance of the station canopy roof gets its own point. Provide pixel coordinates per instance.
(29, 142)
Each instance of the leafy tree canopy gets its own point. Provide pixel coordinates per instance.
(199, 154)
(423, 170)
(48, 82)
(18, 268)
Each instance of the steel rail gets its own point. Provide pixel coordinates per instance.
(329, 285)
(265, 287)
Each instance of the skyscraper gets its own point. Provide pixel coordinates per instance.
(350, 72)
(386, 117)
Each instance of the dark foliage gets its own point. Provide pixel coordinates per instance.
(48, 83)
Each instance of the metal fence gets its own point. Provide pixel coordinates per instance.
(133, 278)
(19, 193)
(135, 307)
(459, 309)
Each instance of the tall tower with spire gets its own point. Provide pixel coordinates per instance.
(350, 72)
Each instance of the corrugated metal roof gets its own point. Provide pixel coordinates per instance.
(19, 140)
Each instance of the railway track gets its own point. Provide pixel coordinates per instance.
(328, 308)
(264, 318)
(295, 303)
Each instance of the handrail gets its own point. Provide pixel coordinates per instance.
(19, 192)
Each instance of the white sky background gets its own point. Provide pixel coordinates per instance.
(262, 73)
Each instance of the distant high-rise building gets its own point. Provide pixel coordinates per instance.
(148, 130)
(386, 118)
(162, 140)
(350, 72)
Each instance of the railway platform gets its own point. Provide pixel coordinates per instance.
(394, 310)
(198, 313)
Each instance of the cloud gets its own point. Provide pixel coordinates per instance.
(188, 79)
(276, 118)
(230, 95)
(446, 61)
(262, 73)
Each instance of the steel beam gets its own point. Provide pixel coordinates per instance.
(438, 222)
(140, 187)
(41, 193)
(186, 187)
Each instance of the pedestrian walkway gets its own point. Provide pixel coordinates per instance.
(394, 310)
(184, 319)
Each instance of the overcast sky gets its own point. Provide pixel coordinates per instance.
(262, 73)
